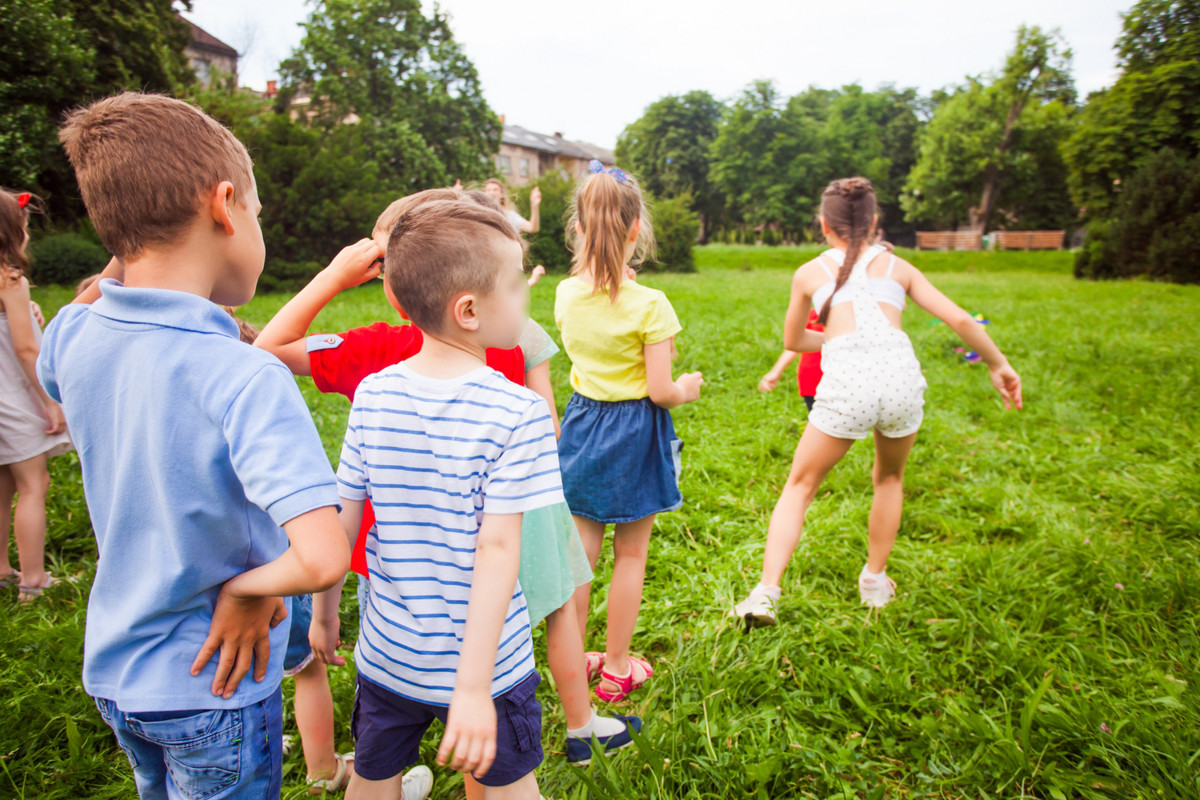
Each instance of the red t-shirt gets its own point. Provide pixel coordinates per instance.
(339, 362)
(809, 373)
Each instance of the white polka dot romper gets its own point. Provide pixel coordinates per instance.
(872, 379)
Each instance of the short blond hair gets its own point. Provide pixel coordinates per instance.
(144, 163)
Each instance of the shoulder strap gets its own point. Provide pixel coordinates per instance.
(821, 262)
(891, 266)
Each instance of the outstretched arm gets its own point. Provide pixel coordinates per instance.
(771, 379)
(796, 334)
(534, 223)
(1003, 376)
(284, 335)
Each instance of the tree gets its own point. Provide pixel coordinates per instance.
(64, 53)
(743, 169)
(1154, 103)
(980, 137)
(402, 74)
(668, 148)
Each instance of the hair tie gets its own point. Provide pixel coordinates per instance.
(23, 199)
(596, 168)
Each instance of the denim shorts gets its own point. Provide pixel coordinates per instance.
(299, 652)
(202, 755)
(619, 461)
(388, 728)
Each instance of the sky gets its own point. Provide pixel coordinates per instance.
(588, 68)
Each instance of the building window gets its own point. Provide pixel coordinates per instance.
(202, 68)
(505, 165)
(524, 167)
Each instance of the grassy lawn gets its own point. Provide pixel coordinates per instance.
(1045, 641)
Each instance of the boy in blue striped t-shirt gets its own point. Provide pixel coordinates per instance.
(450, 454)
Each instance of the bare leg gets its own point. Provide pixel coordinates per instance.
(314, 718)
(32, 481)
(362, 789)
(631, 545)
(564, 653)
(524, 788)
(591, 533)
(890, 457)
(473, 787)
(816, 454)
(8, 490)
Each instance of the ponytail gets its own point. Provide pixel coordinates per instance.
(604, 212)
(848, 208)
(14, 216)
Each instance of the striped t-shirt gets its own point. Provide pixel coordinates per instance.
(434, 456)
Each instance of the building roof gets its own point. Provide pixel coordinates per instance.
(517, 136)
(206, 41)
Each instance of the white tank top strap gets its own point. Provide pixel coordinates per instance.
(821, 262)
(891, 266)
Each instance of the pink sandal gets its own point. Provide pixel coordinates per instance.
(627, 684)
(595, 664)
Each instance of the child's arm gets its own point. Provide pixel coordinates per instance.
(325, 628)
(471, 725)
(1003, 376)
(114, 269)
(771, 379)
(14, 293)
(797, 335)
(248, 605)
(284, 335)
(534, 223)
(538, 379)
(664, 392)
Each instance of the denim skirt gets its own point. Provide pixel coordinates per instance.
(620, 461)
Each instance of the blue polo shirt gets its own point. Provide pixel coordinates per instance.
(195, 449)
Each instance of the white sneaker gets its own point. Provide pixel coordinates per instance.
(417, 783)
(758, 609)
(875, 591)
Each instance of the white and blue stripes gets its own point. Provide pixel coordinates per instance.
(433, 457)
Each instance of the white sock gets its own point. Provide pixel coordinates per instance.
(866, 573)
(598, 725)
(772, 592)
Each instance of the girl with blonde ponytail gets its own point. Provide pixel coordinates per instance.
(872, 383)
(618, 451)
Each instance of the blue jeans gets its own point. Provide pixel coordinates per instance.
(203, 755)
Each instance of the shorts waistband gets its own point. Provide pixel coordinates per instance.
(587, 402)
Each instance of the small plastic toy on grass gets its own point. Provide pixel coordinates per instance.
(970, 356)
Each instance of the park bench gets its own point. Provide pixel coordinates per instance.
(1028, 240)
(948, 240)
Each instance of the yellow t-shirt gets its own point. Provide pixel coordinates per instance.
(604, 340)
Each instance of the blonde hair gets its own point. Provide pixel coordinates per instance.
(603, 213)
(144, 162)
(398, 208)
(505, 202)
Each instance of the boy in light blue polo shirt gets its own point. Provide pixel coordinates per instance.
(195, 449)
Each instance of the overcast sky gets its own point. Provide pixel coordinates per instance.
(590, 68)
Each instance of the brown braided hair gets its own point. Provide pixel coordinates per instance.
(848, 208)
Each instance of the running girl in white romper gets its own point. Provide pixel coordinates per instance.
(872, 384)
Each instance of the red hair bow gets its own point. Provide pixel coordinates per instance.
(23, 199)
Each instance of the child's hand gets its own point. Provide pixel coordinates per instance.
(56, 422)
(458, 187)
(323, 638)
(536, 275)
(768, 382)
(470, 733)
(241, 631)
(37, 314)
(689, 383)
(535, 197)
(1008, 384)
(356, 264)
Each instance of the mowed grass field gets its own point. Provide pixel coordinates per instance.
(1045, 639)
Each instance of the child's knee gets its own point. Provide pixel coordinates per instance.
(33, 483)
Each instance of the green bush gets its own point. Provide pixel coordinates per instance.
(65, 258)
(548, 246)
(675, 229)
(1154, 231)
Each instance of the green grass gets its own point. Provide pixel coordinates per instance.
(1012, 663)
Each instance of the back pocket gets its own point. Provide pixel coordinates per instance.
(202, 750)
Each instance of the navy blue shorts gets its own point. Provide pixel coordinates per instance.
(388, 728)
(619, 461)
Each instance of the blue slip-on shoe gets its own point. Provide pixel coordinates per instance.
(579, 751)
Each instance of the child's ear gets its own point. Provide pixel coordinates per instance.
(464, 312)
(635, 231)
(824, 227)
(221, 205)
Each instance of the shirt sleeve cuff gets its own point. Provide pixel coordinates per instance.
(663, 335)
(502, 505)
(288, 508)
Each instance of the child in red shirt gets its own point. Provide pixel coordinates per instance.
(809, 374)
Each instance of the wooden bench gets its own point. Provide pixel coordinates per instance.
(1028, 240)
(949, 240)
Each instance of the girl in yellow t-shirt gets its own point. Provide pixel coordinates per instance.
(618, 451)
